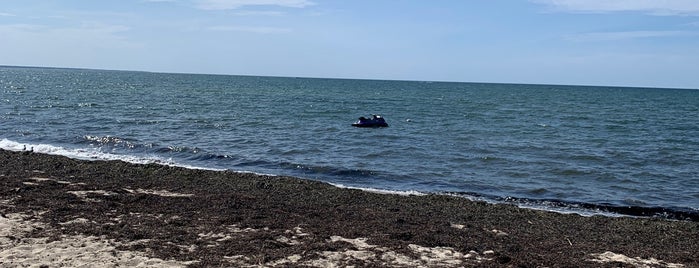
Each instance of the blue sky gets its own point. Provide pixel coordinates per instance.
(646, 43)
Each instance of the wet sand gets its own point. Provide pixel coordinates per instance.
(56, 211)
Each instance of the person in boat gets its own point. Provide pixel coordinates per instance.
(377, 118)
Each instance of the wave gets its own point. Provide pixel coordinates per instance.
(589, 209)
(379, 191)
(90, 154)
(329, 170)
(112, 141)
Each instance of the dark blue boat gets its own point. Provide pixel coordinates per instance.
(374, 121)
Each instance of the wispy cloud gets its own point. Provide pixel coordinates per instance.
(104, 28)
(4, 29)
(3, 14)
(259, 13)
(234, 4)
(654, 7)
(44, 29)
(616, 36)
(107, 34)
(249, 29)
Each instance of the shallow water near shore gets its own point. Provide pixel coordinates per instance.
(631, 151)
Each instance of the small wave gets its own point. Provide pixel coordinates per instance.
(638, 210)
(134, 146)
(492, 159)
(12, 145)
(571, 172)
(538, 191)
(111, 141)
(380, 191)
(588, 209)
(199, 155)
(331, 171)
(86, 105)
(90, 154)
(178, 149)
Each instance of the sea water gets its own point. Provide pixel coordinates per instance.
(571, 148)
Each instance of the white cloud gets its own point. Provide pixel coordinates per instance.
(249, 29)
(234, 4)
(3, 14)
(654, 7)
(615, 36)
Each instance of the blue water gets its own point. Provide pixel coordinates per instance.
(613, 149)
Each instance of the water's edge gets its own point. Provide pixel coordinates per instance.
(558, 206)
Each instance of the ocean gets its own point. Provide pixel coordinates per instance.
(572, 149)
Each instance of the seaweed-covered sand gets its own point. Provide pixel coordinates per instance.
(56, 211)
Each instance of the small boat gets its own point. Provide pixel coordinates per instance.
(374, 121)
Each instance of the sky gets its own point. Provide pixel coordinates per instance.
(643, 43)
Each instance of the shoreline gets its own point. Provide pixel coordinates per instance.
(554, 205)
(170, 216)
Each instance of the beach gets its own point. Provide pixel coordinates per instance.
(57, 211)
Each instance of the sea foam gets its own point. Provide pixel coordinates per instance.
(90, 154)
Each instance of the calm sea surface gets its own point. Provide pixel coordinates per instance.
(607, 149)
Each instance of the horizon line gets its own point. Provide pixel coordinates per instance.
(346, 78)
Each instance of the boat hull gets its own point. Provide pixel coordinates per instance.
(370, 124)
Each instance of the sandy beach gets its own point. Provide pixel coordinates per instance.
(61, 212)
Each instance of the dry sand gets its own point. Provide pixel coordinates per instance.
(60, 212)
